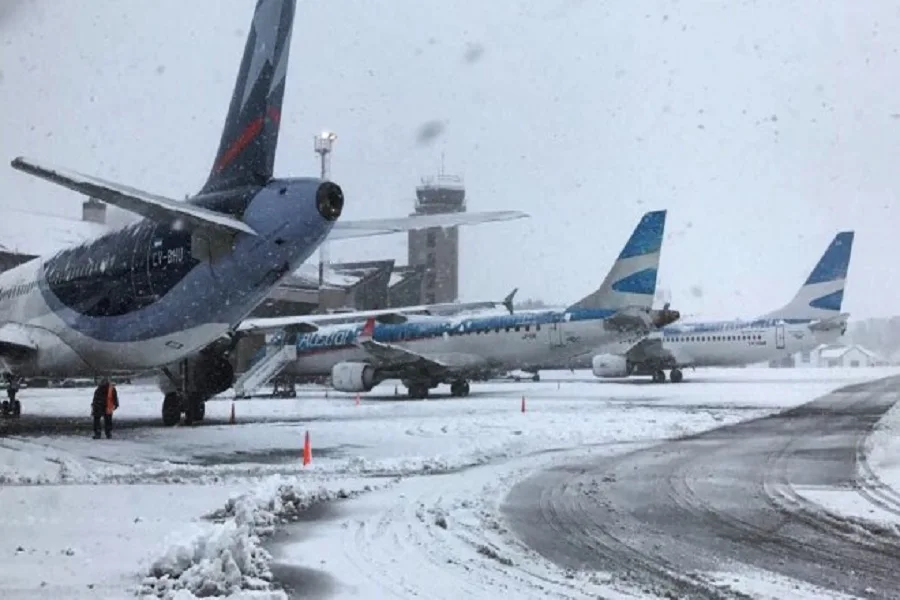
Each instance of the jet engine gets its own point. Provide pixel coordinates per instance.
(352, 377)
(609, 365)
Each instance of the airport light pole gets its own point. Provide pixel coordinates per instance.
(323, 144)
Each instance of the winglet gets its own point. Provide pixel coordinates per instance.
(508, 301)
(368, 330)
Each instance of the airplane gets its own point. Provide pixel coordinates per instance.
(811, 318)
(424, 352)
(168, 289)
(273, 356)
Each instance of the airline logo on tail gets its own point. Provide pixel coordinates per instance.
(632, 279)
(822, 295)
(246, 153)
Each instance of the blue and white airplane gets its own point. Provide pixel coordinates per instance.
(812, 318)
(424, 352)
(162, 290)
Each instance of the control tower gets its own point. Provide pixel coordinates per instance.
(437, 249)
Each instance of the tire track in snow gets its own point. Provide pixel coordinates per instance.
(722, 499)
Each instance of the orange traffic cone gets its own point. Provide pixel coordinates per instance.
(307, 451)
(232, 420)
(523, 403)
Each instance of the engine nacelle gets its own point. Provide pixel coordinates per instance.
(352, 377)
(609, 365)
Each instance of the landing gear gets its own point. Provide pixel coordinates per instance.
(195, 380)
(536, 377)
(417, 391)
(459, 389)
(174, 404)
(284, 387)
(171, 409)
(11, 408)
(675, 376)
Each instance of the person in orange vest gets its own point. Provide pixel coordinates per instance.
(106, 401)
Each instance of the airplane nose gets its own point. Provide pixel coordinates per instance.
(329, 200)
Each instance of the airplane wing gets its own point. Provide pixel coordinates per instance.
(395, 356)
(14, 337)
(133, 200)
(310, 323)
(372, 227)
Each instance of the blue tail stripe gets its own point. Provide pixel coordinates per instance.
(831, 301)
(833, 264)
(642, 282)
(647, 236)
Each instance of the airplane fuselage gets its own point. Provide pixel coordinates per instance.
(136, 298)
(477, 345)
(736, 343)
(719, 344)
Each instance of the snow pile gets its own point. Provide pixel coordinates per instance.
(226, 558)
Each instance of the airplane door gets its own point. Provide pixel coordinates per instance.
(779, 336)
(555, 333)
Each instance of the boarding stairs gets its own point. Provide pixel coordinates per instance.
(275, 358)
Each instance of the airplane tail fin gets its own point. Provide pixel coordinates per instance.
(246, 154)
(822, 294)
(632, 279)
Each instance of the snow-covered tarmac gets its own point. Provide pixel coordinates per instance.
(401, 499)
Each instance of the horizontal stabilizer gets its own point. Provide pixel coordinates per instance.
(151, 206)
(372, 227)
(830, 324)
(632, 319)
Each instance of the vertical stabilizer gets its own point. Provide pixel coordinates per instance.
(246, 153)
(822, 295)
(632, 279)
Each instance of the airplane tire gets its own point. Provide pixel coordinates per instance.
(659, 377)
(15, 409)
(418, 391)
(536, 377)
(676, 376)
(4, 408)
(171, 409)
(459, 389)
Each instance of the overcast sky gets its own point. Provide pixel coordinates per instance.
(764, 127)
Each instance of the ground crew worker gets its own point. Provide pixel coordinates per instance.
(106, 401)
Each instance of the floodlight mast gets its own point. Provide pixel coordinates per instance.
(323, 144)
